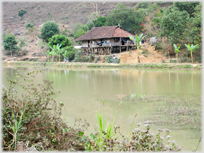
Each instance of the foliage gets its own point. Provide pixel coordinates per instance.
(79, 33)
(10, 43)
(21, 12)
(48, 30)
(142, 5)
(137, 39)
(192, 48)
(66, 45)
(128, 18)
(157, 45)
(141, 140)
(78, 55)
(34, 117)
(57, 50)
(60, 39)
(187, 6)
(29, 25)
(100, 22)
(176, 49)
(49, 54)
(80, 30)
(173, 24)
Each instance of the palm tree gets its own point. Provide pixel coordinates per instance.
(137, 40)
(191, 49)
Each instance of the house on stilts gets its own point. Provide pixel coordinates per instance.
(106, 40)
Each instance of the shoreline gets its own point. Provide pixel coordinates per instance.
(188, 66)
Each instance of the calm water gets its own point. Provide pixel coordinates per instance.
(84, 91)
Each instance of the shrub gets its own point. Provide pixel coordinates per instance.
(157, 45)
(29, 25)
(34, 117)
(21, 12)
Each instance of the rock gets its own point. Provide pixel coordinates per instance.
(31, 40)
(11, 59)
(153, 40)
(16, 33)
(25, 59)
(34, 54)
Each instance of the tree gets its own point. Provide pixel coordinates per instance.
(79, 33)
(176, 49)
(187, 6)
(10, 43)
(128, 18)
(100, 21)
(173, 24)
(48, 30)
(191, 49)
(80, 29)
(66, 45)
(21, 12)
(137, 40)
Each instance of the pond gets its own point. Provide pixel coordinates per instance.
(169, 98)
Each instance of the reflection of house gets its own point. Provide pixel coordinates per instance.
(105, 40)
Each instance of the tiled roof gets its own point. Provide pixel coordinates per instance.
(104, 32)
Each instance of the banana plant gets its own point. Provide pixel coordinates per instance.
(49, 54)
(191, 49)
(137, 40)
(65, 53)
(176, 49)
(56, 50)
(59, 50)
(53, 53)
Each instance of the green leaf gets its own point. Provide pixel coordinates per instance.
(100, 122)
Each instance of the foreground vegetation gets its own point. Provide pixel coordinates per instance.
(31, 121)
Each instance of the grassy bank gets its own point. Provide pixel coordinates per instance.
(108, 65)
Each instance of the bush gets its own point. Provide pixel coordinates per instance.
(29, 25)
(34, 117)
(21, 12)
(78, 54)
